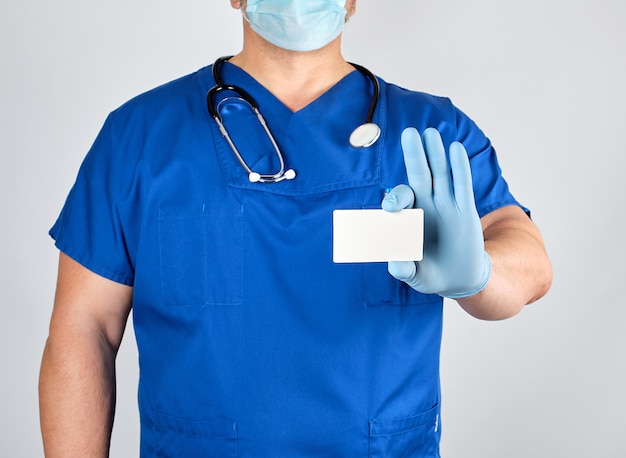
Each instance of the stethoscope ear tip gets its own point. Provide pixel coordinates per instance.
(365, 135)
(255, 177)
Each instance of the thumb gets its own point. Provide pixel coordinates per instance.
(398, 198)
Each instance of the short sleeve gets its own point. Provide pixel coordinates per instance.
(89, 229)
(491, 190)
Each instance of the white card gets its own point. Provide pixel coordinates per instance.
(378, 235)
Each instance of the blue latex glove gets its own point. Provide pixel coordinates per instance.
(455, 262)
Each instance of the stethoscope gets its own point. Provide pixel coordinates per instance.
(363, 136)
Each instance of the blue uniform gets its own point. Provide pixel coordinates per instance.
(252, 343)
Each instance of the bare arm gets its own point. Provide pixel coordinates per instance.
(521, 270)
(77, 379)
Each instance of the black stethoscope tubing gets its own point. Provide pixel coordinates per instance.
(363, 136)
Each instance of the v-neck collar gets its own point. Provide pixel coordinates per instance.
(313, 140)
(242, 78)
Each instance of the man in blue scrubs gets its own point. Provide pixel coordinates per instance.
(252, 342)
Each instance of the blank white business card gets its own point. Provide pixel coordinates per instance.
(378, 235)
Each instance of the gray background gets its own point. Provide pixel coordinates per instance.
(545, 79)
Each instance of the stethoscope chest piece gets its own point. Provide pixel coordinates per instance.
(365, 135)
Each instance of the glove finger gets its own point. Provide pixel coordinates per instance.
(462, 173)
(417, 169)
(403, 270)
(439, 167)
(398, 198)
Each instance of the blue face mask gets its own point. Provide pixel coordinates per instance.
(297, 25)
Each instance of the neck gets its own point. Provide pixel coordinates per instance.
(295, 78)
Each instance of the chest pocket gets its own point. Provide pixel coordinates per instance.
(381, 289)
(201, 256)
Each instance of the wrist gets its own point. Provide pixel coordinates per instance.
(484, 279)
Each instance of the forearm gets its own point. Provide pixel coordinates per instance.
(521, 270)
(77, 394)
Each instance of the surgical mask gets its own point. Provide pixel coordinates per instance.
(297, 25)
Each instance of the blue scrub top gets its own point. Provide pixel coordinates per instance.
(252, 343)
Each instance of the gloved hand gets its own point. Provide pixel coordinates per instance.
(455, 262)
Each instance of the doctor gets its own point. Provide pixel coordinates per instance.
(252, 343)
